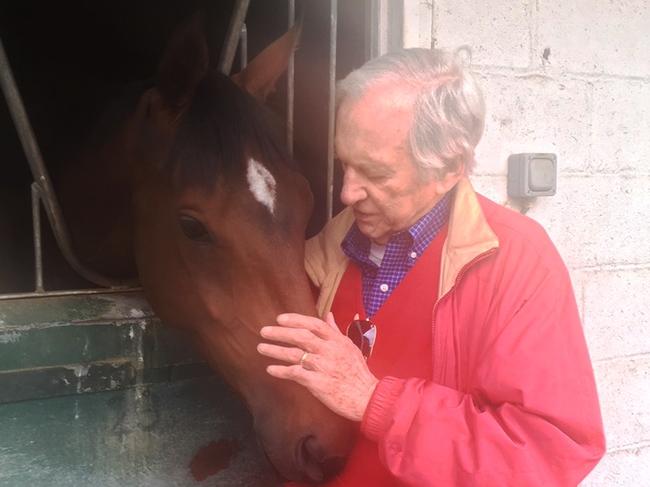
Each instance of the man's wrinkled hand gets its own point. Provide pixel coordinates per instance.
(321, 359)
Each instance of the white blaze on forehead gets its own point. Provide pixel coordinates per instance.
(261, 183)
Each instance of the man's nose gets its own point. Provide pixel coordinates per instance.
(352, 191)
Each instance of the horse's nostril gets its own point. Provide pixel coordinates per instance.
(308, 459)
(332, 466)
(313, 462)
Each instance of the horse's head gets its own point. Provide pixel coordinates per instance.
(219, 218)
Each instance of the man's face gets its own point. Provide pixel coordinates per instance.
(380, 181)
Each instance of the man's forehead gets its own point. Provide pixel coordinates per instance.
(388, 93)
(382, 102)
(384, 107)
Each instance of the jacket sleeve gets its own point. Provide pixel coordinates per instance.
(530, 416)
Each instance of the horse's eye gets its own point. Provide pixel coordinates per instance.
(194, 229)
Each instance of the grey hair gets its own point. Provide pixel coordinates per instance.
(449, 109)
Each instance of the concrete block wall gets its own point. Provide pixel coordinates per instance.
(573, 78)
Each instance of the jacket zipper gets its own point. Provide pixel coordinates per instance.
(460, 275)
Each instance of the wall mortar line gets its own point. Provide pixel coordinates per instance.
(623, 358)
(630, 447)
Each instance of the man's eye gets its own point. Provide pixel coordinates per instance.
(194, 229)
(377, 178)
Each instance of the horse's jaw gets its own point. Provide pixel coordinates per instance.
(302, 439)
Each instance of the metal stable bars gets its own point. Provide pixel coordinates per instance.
(331, 109)
(290, 82)
(233, 35)
(42, 189)
(43, 192)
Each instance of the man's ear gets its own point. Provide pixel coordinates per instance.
(262, 73)
(446, 182)
(184, 63)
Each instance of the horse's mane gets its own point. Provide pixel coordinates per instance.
(221, 128)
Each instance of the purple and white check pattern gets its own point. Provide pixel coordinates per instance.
(402, 252)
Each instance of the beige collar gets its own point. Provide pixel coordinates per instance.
(468, 236)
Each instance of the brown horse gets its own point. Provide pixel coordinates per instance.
(196, 189)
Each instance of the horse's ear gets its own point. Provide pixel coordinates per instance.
(184, 63)
(262, 73)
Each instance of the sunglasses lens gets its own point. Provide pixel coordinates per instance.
(361, 332)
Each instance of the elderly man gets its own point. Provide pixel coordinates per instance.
(465, 362)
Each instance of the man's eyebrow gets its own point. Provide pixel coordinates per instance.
(370, 165)
(376, 167)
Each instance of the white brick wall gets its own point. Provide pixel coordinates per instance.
(498, 31)
(529, 112)
(595, 36)
(621, 467)
(617, 312)
(621, 124)
(626, 412)
(588, 101)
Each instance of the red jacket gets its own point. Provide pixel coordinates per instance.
(512, 400)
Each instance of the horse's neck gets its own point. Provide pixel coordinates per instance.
(95, 197)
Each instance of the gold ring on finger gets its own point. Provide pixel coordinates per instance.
(303, 358)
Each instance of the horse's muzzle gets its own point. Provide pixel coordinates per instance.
(312, 462)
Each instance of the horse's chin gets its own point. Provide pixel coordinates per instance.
(284, 468)
(280, 478)
(301, 461)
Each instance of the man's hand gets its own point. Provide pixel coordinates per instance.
(333, 368)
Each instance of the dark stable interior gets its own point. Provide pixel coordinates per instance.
(71, 58)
